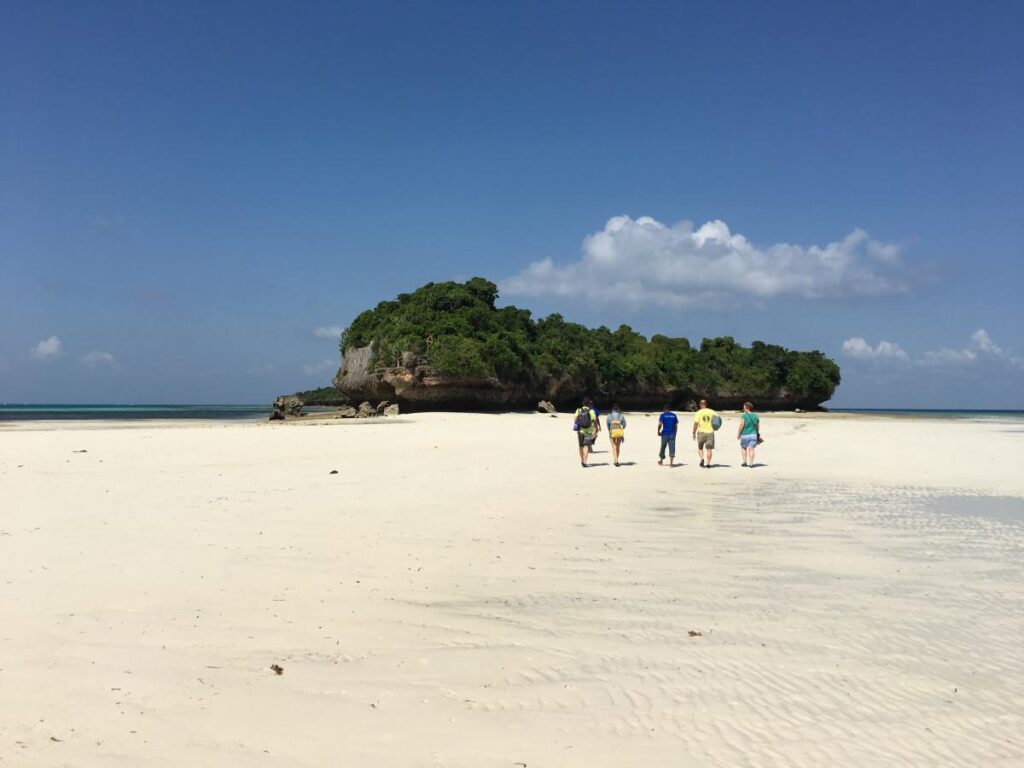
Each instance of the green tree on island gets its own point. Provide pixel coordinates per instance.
(459, 331)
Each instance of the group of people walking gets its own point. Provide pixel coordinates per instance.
(587, 425)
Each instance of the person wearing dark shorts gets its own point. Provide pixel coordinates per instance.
(587, 426)
(668, 425)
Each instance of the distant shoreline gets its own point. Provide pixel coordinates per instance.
(103, 416)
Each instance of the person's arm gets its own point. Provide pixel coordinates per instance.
(659, 426)
(693, 434)
(739, 429)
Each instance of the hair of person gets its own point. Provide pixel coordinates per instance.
(616, 407)
(703, 401)
(666, 407)
(588, 402)
(748, 405)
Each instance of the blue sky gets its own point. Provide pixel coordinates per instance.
(189, 191)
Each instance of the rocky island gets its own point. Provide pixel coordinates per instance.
(447, 346)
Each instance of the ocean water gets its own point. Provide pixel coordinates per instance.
(69, 412)
(979, 415)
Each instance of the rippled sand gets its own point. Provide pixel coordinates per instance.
(462, 593)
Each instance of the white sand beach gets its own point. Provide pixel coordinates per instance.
(463, 593)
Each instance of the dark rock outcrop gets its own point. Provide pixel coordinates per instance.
(287, 406)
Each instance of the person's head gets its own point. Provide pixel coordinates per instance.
(587, 402)
(616, 407)
(666, 407)
(748, 407)
(703, 403)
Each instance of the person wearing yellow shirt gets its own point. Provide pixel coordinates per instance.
(704, 433)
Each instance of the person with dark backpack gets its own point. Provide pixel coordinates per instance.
(586, 426)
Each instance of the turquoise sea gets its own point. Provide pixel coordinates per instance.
(936, 414)
(107, 411)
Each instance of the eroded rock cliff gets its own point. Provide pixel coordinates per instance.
(417, 387)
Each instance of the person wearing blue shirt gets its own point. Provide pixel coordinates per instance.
(668, 424)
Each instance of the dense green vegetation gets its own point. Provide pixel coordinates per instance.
(322, 396)
(460, 331)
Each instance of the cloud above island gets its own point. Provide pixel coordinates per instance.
(642, 261)
(97, 358)
(981, 349)
(46, 349)
(859, 349)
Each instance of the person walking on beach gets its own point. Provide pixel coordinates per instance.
(587, 426)
(668, 424)
(616, 423)
(749, 433)
(597, 420)
(704, 433)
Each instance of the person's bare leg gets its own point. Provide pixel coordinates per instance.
(615, 452)
(750, 461)
(583, 455)
(709, 457)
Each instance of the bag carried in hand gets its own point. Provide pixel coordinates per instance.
(759, 438)
(716, 422)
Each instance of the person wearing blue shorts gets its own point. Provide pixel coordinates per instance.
(668, 425)
(749, 433)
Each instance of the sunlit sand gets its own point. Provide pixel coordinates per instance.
(463, 593)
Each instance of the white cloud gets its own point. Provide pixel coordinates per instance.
(859, 349)
(982, 349)
(946, 356)
(328, 332)
(46, 348)
(640, 261)
(316, 369)
(983, 342)
(95, 358)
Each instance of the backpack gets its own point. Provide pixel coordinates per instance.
(616, 430)
(716, 422)
(585, 419)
